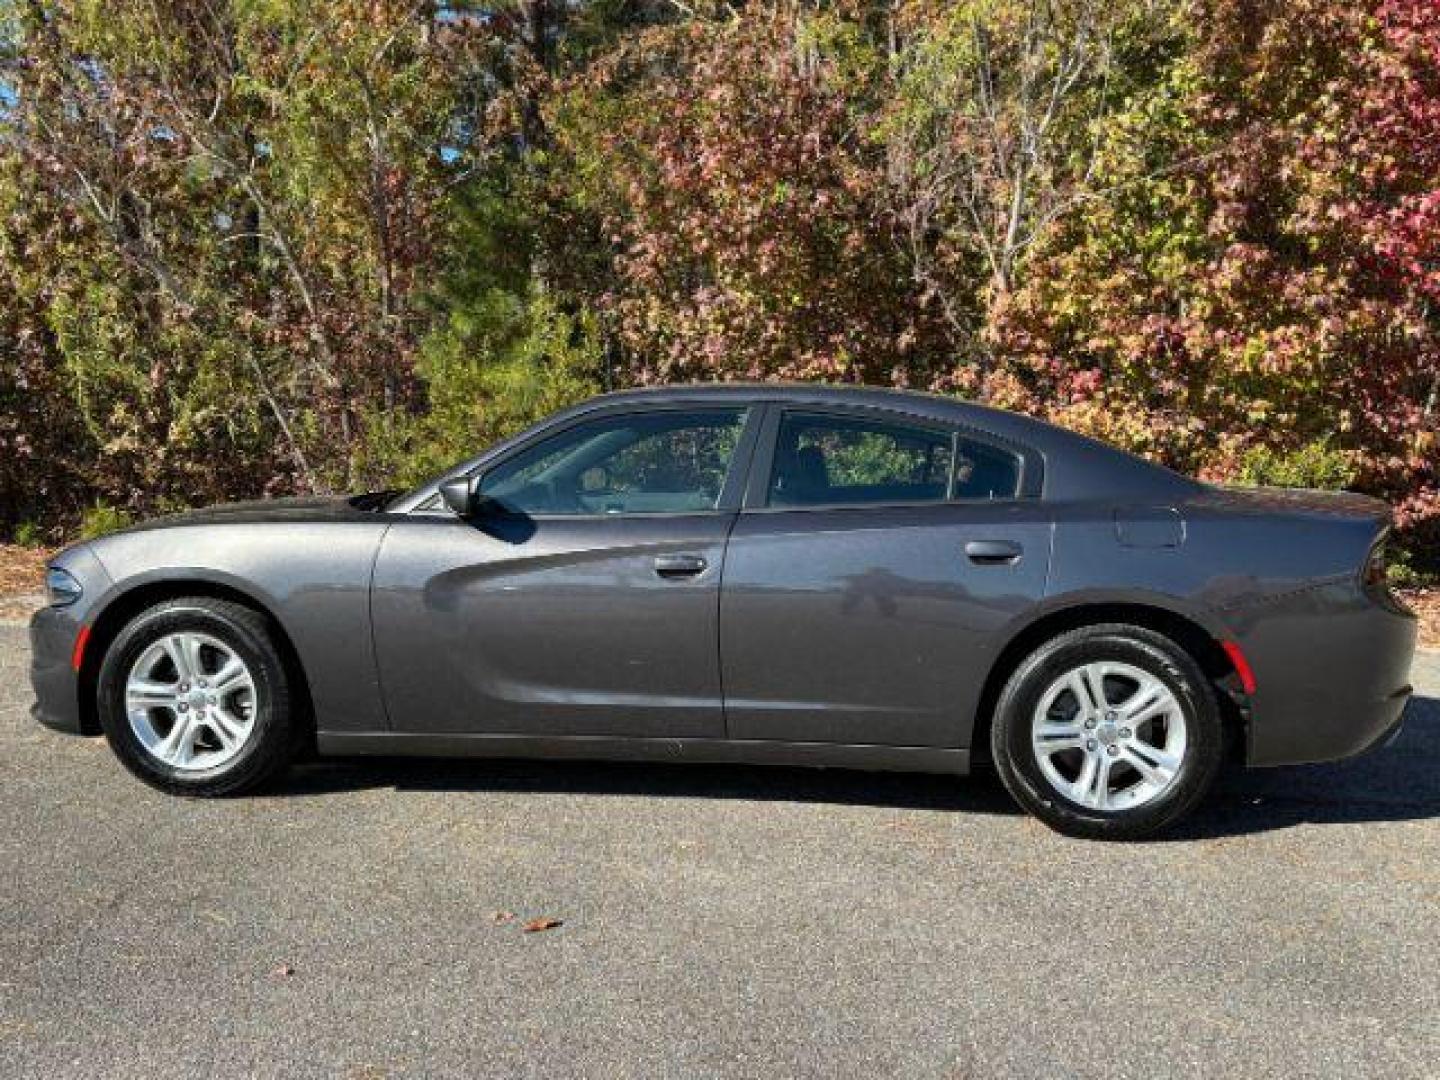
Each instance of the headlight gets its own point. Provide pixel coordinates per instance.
(61, 586)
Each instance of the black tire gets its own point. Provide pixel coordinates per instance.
(273, 740)
(1155, 654)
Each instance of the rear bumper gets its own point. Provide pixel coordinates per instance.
(1310, 729)
(1332, 672)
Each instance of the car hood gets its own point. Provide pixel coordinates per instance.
(298, 509)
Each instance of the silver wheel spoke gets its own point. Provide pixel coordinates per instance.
(1139, 706)
(1095, 682)
(1092, 788)
(1141, 709)
(228, 728)
(184, 653)
(1051, 738)
(1152, 711)
(172, 648)
(191, 644)
(144, 694)
(233, 675)
(1150, 762)
(1085, 697)
(179, 745)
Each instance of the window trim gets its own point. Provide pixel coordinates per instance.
(757, 491)
(731, 489)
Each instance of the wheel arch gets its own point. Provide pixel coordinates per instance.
(1185, 630)
(122, 607)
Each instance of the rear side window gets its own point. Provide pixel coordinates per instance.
(822, 459)
(829, 460)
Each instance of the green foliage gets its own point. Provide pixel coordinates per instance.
(737, 220)
(29, 534)
(257, 246)
(1407, 569)
(490, 371)
(1314, 465)
(101, 519)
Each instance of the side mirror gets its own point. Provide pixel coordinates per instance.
(458, 495)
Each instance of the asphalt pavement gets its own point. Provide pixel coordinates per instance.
(364, 919)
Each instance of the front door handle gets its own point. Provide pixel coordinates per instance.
(679, 566)
(993, 552)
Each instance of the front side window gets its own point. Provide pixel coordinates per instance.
(833, 460)
(668, 461)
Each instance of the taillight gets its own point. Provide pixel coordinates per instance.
(1373, 575)
(1375, 579)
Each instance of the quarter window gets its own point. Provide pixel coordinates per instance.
(983, 471)
(667, 461)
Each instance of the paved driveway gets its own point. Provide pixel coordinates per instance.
(717, 921)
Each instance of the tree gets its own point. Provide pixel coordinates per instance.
(226, 219)
(1252, 301)
(993, 132)
(735, 204)
(259, 246)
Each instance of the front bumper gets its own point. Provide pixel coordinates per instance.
(1332, 670)
(53, 632)
(55, 682)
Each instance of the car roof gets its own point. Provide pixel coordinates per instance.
(1080, 466)
(921, 403)
(1075, 466)
(791, 391)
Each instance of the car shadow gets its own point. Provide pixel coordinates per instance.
(1398, 783)
(760, 783)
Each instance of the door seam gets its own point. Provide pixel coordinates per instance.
(370, 618)
(719, 627)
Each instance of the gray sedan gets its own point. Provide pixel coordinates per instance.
(808, 575)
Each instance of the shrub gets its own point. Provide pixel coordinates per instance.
(103, 518)
(1314, 465)
(29, 534)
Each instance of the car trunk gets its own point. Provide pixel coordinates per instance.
(1298, 501)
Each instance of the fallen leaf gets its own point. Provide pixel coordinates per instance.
(498, 917)
(284, 971)
(536, 925)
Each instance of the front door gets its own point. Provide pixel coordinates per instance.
(583, 600)
(869, 579)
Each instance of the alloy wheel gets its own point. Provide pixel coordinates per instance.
(1109, 736)
(191, 701)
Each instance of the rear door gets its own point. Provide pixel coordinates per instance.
(589, 604)
(869, 577)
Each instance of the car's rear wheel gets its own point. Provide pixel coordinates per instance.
(194, 698)
(1108, 732)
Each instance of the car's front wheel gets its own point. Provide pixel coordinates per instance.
(1108, 732)
(194, 698)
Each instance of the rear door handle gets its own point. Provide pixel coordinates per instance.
(993, 552)
(679, 566)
